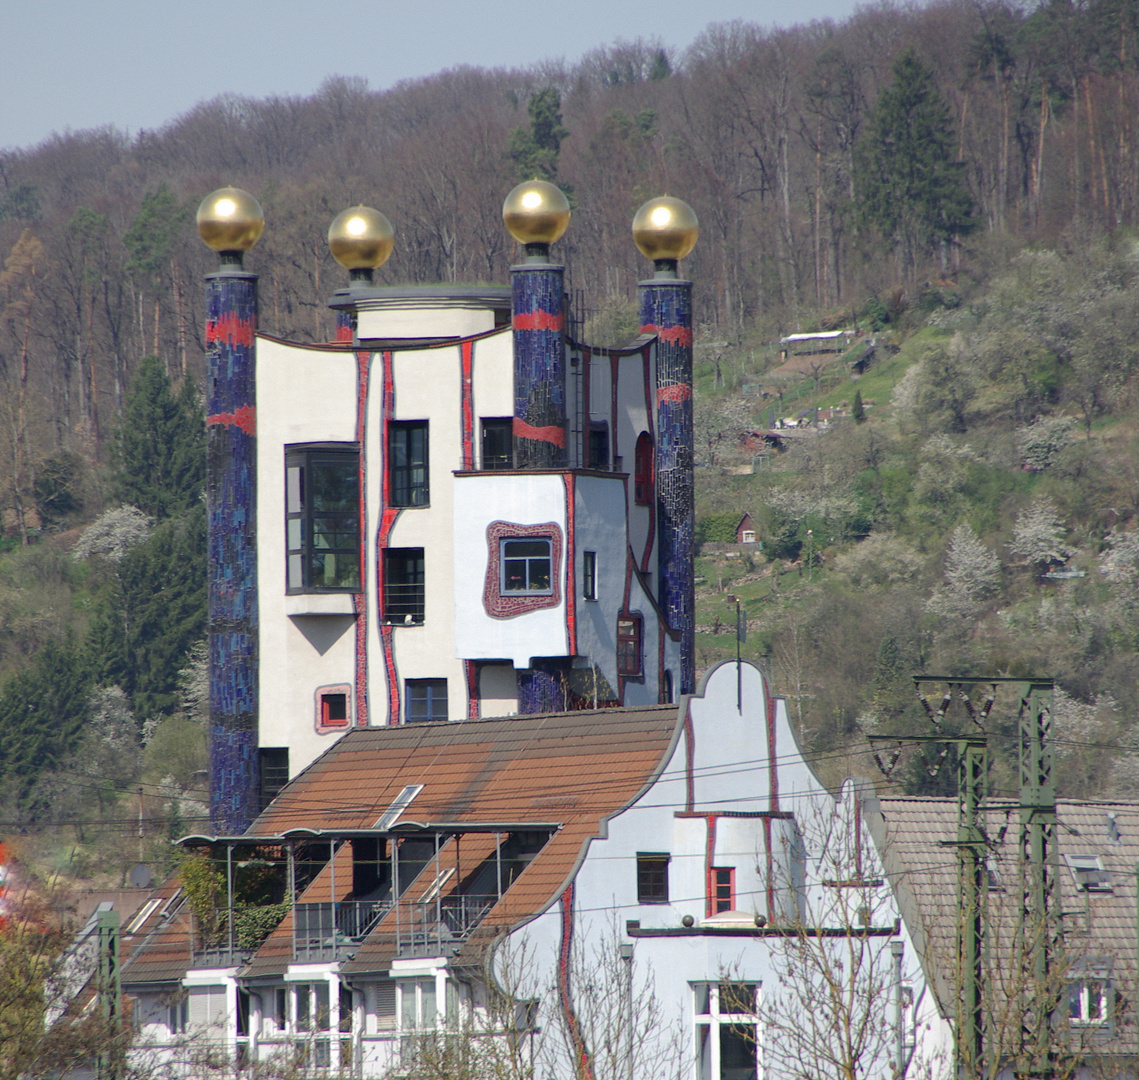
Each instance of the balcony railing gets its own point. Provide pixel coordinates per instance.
(326, 931)
(403, 604)
(439, 927)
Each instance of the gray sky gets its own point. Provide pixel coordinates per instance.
(139, 63)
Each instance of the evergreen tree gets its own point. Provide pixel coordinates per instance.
(42, 712)
(152, 613)
(907, 183)
(535, 152)
(858, 410)
(160, 446)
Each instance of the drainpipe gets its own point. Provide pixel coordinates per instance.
(897, 948)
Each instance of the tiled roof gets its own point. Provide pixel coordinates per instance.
(916, 839)
(568, 771)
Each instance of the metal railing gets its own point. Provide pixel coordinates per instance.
(403, 603)
(324, 931)
(439, 927)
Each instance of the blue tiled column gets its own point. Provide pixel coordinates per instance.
(231, 504)
(666, 311)
(538, 320)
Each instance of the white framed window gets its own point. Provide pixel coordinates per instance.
(526, 567)
(1088, 1002)
(727, 1030)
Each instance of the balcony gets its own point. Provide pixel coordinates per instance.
(439, 927)
(332, 931)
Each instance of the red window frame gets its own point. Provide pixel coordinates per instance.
(721, 889)
(630, 645)
(643, 470)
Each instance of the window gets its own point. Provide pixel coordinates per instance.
(598, 445)
(668, 688)
(179, 1015)
(407, 462)
(589, 575)
(417, 1007)
(425, 699)
(498, 442)
(726, 1031)
(721, 889)
(1087, 1002)
(643, 470)
(333, 708)
(523, 568)
(526, 567)
(281, 1008)
(747, 536)
(274, 772)
(403, 585)
(652, 877)
(322, 519)
(629, 645)
(1089, 873)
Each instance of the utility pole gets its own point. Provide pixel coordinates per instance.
(109, 990)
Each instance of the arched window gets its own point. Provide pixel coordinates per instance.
(643, 469)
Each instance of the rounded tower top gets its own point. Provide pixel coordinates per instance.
(361, 238)
(230, 219)
(665, 228)
(536, 212)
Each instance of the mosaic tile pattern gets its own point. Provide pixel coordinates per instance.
(538, 319)
(231, 505)
(666, 311)
(544, 688)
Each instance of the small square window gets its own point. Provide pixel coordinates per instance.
(498, 443)
(721, 889)
(426, 699)
(1087, 1002)
(629, 646)
(333, 708)
(589, 575)
(652, 877)
(526, 567)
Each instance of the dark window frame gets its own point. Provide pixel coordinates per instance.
(643, 470)
(312, 531)
(404, 600)
(496, 443)
(630, 644)
(598, 450)
(652, 877)
(409, 464)
(589, 575)
(430, 700)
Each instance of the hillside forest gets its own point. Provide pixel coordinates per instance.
(955, 183)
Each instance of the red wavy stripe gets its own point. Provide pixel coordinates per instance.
(245, 418)
(676, 394)
(231, 330)
(550, 433)
(538, 320)
(676, 335)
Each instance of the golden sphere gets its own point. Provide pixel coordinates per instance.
(536, 213)
(230, 219)
(361, 238)
(665, 228)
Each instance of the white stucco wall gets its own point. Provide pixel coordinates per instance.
(522, 499)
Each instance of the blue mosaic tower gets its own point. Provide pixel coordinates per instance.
(536, 214)
(230, 221)
(665, 230)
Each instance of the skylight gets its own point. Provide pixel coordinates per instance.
(399, 804)
(1089, 873)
